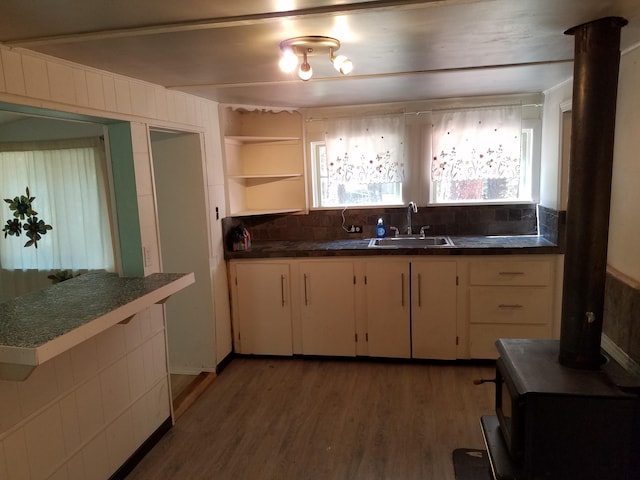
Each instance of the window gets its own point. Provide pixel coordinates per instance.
(462, 156)
(481, 155)
(361, 162)
(67, 179)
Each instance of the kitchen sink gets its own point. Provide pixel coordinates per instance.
(411, 242)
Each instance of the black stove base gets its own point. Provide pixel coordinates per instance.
(502, 466)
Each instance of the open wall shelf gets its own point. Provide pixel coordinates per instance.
(264, 161)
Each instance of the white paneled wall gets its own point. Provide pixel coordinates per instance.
(82, 414)
(146, 201)
(27, 78)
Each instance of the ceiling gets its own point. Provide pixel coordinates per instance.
(402, 50)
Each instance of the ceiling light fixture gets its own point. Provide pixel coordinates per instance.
(295, 53)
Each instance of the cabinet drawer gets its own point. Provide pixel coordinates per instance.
(482, 338)
(510, 305)
(510, 273)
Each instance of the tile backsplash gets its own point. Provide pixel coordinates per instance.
(442, 220)
(551, 224)
(621, 317)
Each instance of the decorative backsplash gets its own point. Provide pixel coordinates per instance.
(517, 219)
(551, 224)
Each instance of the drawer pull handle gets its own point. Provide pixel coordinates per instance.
(402, 289)
(306, 294)
(510, 305)
(282, 288)
(510, 273)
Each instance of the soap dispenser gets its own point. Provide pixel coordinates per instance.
(381, 231)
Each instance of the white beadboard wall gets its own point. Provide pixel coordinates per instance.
(82, 414)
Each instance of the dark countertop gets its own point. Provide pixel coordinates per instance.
(463, 245)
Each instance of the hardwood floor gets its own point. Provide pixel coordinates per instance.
(326, 419)
(188, 393)
(179, 383)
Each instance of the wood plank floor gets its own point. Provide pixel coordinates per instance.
(326, 419)
(179, 383)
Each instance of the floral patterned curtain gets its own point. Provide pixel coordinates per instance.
(366, 150)
(477, 144)
(476, 154)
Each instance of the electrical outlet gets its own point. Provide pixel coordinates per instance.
(354, 228)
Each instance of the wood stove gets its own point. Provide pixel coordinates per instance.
(556, 422)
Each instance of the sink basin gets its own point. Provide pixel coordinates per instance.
(411, 242)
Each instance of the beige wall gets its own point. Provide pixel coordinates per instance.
(624, 227)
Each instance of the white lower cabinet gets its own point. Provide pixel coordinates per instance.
(262, 308)
(396, 307)
(411, 308)
(509, 298)
(388, 304)
(434, 294)
(327, 308)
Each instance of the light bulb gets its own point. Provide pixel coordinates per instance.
(305, 71)
(342, 64)
(288, 61)
(347, 67)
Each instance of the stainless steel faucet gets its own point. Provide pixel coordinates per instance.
(411, 209)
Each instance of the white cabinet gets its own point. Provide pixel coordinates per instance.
(411, 308)
(328, 308)
(388, 308)
(397, 307)
(434, 309)
(264, 163)
(262, 308)
(509, 298)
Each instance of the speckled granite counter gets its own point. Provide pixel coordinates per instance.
(38, 326)
(467, 245)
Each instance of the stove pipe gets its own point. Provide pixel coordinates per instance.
(595, 86)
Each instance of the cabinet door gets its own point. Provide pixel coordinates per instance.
(388, 308)
(328, 308)
(264, 308)
(434, 310)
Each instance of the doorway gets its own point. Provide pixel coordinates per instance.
(179, 184)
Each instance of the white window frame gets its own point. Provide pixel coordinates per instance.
(416, 186)
(531, 129)
(316, 181)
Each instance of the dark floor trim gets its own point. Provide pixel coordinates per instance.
(225, 362)
(359, 358)
(139, 454)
